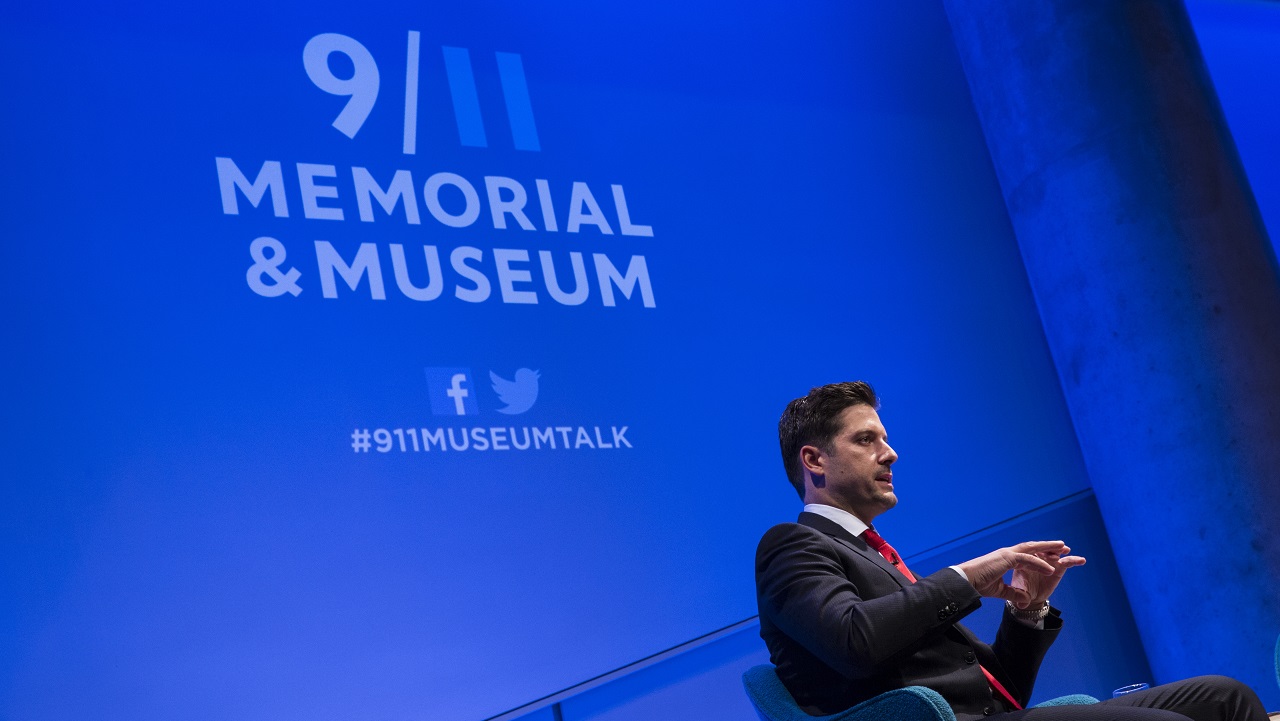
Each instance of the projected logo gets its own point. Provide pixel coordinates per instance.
(451, 392)
(365, 190)
(363, 86)
(519, 393)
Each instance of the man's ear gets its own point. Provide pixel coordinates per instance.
(813, 460)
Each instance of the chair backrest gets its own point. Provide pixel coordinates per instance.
(774, 703)
(772, 700)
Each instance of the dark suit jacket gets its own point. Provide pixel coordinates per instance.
(843, 625)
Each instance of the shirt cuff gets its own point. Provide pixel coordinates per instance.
(1037, 625)
(962, 573)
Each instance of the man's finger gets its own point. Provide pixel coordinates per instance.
(1019, 597)
(1071, 561)
(1036, 563)
(1041, 547)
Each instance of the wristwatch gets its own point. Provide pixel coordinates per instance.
(1032, 614)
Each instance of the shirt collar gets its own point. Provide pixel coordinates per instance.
(847, 521)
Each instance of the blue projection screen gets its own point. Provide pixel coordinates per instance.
(423, 361)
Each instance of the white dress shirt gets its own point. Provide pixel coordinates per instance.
(852, 523)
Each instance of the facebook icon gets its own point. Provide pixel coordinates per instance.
(451, 392)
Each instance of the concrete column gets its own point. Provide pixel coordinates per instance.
(1160, 298)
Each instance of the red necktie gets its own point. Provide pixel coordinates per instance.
(884, 549)
(876, 541)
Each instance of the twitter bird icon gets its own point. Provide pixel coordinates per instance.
(519, 394)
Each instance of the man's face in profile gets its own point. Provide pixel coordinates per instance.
(853, 472)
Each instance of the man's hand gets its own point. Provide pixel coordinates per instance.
(1038, 586)
(1032, 572)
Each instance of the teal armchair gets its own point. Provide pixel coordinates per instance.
(773, 702)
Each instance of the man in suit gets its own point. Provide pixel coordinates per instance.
(846, 620)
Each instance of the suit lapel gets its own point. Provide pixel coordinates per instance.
(852, 542)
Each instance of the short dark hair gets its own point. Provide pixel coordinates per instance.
(814, 421)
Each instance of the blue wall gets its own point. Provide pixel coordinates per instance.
(1238, 39)
(193, 528)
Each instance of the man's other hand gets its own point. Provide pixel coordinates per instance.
(1039, 586)
(1032, 572)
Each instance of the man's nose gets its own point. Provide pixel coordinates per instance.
(889, 456)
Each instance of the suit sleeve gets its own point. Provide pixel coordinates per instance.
(1019, 649)
(833, 610)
